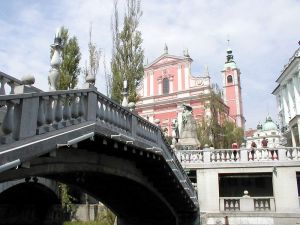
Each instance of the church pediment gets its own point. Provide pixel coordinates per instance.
(166, 59)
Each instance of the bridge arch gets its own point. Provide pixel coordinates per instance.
(116, 181)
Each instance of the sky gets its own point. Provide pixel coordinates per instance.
(263, 35)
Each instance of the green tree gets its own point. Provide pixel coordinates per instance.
(127, 53)
(210, 127)
(69, 69)
(215, 129)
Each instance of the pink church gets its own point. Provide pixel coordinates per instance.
(168, 84)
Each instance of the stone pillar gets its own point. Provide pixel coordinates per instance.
(159, 81)
(146, 85)
(298, 124)
(293, 137)
(285, 190)
(179, 82)
(208, 190)
(171, 85)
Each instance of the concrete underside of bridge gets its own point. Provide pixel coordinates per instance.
(135, 184)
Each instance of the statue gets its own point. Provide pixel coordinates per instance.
(188, 135)
(176, 129)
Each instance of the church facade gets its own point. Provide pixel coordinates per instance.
(168, 85)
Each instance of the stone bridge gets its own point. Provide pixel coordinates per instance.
(84, 139)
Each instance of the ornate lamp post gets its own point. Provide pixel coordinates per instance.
(55, 61)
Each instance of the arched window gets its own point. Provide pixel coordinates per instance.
(229, 79)
(165, 86)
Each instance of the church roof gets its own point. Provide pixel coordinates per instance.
(269, 125)
(167, 56)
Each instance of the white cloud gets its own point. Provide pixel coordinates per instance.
(263, 36)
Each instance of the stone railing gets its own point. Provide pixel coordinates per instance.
(247, 204)
(8, 84)
(31, 114)
(238, 155)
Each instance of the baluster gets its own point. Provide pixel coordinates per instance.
(256, 204)
(58, 110)
(269, 155)
(231, 205)
(212, 157)
(236, 205)
(12, 87)
(218, 157)
(267, 206)
(289, 154)
(117, 116)
(8, 120)
(98, 114)
(74, 107)
(122, 124)
(226, 204)
(260, 204)
(222, 156)
(113, 115)
(108, 113)
(237, 156)
(294, 153)
(81, 108)
(101, 110)
(49, 111)
(228, 155)
(2, 88)
(201, 156)
(66, 110)
(258, 155)
(41, 120)
(275, 156)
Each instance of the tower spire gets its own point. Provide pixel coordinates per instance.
(166, 49)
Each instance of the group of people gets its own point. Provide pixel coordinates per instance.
(264, 143)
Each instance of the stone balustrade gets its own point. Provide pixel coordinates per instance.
(9, 83)
(247, 204)
(30, 114)
(238, 155)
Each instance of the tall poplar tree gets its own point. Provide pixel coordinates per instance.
(69, 69)
(127, 53)
(92, 66)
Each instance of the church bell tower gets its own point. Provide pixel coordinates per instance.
(232, 90)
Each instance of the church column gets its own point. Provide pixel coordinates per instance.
(151, 83)
(290, 98)
(296, 94)
(186, 76)
(285, 105)
(179, 78)
(171, 84)
(159, 81)
(146, 85)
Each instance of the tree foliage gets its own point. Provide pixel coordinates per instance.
(69, 69)
(215, 129)
(127, 53)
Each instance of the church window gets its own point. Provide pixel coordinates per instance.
(165, 86)
(229, 79)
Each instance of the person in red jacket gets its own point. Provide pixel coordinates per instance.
(264, 143)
